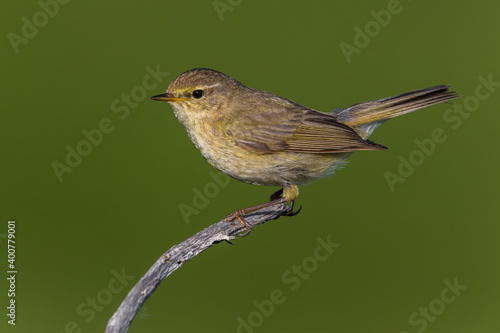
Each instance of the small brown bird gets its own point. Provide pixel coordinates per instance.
(263, 139)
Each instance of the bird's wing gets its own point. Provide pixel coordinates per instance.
(307, 131)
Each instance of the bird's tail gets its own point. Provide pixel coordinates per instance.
(365, 117)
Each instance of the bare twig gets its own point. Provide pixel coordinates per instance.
(177, 256)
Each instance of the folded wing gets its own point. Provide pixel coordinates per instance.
(307, 131)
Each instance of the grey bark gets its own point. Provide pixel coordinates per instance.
(176, 256)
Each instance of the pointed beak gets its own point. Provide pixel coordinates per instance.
(167, 97)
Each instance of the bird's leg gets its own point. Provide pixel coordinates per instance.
(286, 194)
(276, 195)
(240, 212)
(291, 192)
(290, 212)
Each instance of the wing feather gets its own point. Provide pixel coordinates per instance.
(302, 131)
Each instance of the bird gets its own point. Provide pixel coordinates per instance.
(260, 138)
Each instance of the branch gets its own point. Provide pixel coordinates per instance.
(177, 256)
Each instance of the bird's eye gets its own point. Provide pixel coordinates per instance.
(198, 93)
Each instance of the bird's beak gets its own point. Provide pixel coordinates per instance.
(168, 97)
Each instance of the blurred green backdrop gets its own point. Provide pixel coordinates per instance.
(406, 252)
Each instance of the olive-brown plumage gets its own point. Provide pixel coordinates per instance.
(263, 139)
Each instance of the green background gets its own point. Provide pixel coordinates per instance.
(119, 208)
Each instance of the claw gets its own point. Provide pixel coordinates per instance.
(230, 217)
(290, 211)
(248, 226)
(237, 215)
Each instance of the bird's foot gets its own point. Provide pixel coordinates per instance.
(290, 211)
(238, 215)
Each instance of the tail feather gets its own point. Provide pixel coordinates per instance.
(369, 115)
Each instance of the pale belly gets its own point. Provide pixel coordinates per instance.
(272, 169)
